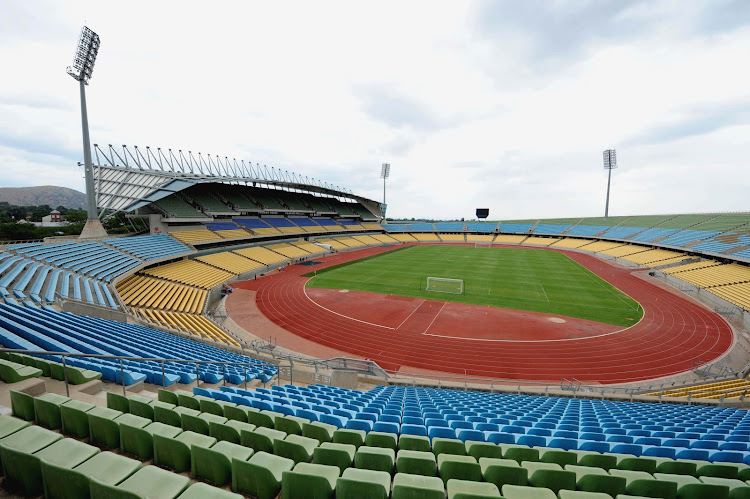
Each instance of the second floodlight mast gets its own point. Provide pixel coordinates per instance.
(610, 163)
(81, 70)
(385, 172)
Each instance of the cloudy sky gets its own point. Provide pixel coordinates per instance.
(499, 104)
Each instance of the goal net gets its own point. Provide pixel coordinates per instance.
(485, 244)
(445, 285)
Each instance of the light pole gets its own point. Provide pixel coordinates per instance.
(610, 163)
(385, 172)
(82, 69)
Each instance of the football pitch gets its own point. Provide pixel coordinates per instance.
(520, 279)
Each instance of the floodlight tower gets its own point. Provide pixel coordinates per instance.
(610, 163)
(82, 69)
(385, 172)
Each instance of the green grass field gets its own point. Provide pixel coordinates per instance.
(520, 279)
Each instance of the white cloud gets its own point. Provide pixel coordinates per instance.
(489, 104)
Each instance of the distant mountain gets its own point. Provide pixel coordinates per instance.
(51, 195)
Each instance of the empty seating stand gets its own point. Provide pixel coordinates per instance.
(149, 247)
(36, 329)
(91, 258)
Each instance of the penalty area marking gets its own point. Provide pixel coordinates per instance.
(543, 291)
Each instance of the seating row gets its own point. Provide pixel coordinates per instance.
(34, 329)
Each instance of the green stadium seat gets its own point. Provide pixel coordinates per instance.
(75, 420)
(590, 479)
(22, 405)
(503, 472)
(47, 410)
(322, 432)
(448, 446)
(295, 447)
(78, 376)
(309, 480)
(738, 489)
(577, 494)
(215, 463)
(593, 460)
(640, 483)
(168, 397)
(62, 482)
(416, 463)
(677, 467)
(172, 416)
(56, 371)
(149, 481)
(260, 476)
(353, 437)
(213, 406)
(355, 484)
(174, 452)
(186, 399)
(375, 458)
(341, 455)
(22, 467)
(44, 365)
(9, 425)
(557, 456)
(519, 453)
(521, 492)
(229, 431)
(478, 450)
(141, 406)
(237, 413)
(199, 423)
(261, 439)
(463, 489)
(12, 372)
(717, 470)
(407, 486)
(637, 464)
(550, 475)
(205, 491)
(263, 418)
(380, 439)
(137, 435)
(103, 429)
(414, 442)
(118, 402)
(459, 467)
(689, 487)
(291, 425)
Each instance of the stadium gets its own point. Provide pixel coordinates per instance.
(272, 335)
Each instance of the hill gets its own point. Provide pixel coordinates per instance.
(51, 195)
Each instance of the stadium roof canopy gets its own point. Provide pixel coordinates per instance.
(130, 178)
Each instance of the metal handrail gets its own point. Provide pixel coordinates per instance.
(64, 355)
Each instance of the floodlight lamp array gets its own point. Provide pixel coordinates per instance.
(610, 159)
(385, 170)
(85, 57)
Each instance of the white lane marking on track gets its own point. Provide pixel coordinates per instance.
(412, 313)
(341, 315)
(436, 316)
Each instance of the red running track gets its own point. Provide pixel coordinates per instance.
(673, 333)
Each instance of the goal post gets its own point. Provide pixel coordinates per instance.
(445, 285)
(485, 244)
